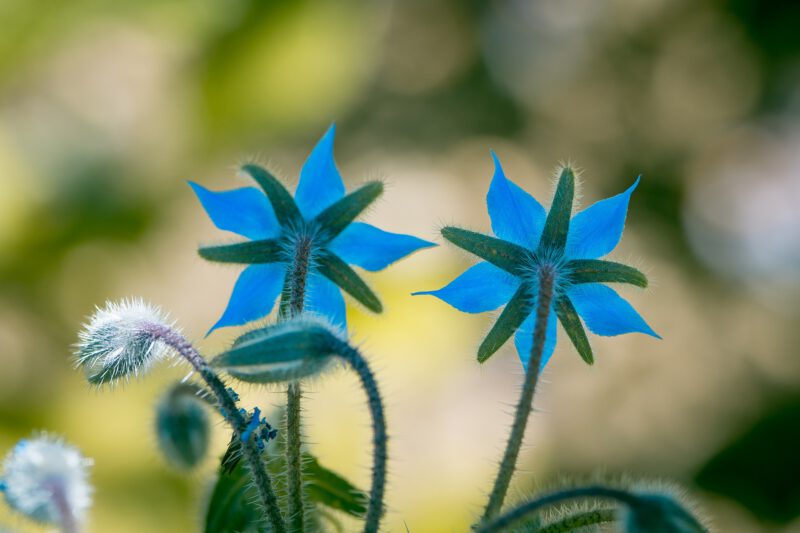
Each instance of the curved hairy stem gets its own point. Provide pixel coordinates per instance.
(379, 438)
(530, 508)
(509, 461)
(232, 415)
(292, 303)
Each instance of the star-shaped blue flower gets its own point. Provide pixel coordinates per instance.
(530, 239)
(318, 221)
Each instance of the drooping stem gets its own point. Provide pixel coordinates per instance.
(379, 437)
(525, 405)
(232, 415)
(580, 521)
(529, 508)
(292, 303)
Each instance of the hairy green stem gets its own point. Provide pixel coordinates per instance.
(232, 415)
(525, 405)
(580, 520)
(292, 303)
(379, 438)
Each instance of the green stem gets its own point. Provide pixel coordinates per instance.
(529, 508)
(379, 437)
(232, 415)
(292, 303)
(525, 405)
(580, 520)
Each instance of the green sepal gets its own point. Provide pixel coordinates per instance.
(336, 217)
(283, 352)
(599, 271)
(340, 273)
(516, 311)
(286, 210)
(556, 227)
(506, 255)
(249, 252)
(568, 316)
(332, 490)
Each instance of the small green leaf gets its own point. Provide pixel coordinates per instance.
(572, 325)
(512, 317)
(232, 506)
(339, 272)
(250, 252)
(332, 490)
(556, 227)
(286, 210)
(599, 271)
(335, 218)
(510, 257)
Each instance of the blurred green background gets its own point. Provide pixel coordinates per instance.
(108, 107)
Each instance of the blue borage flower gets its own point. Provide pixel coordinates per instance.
(319, 219)
(529, 240)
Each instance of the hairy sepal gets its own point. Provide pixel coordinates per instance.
(511, 257)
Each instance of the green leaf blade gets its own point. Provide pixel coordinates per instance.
(232, 505)
(508, 256)
(332, 490)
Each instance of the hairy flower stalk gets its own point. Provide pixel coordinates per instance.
(525, 405)
(47, 480)
(379, 437)
(296, 281)
(127, 338)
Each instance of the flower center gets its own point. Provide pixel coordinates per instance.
(548, 262)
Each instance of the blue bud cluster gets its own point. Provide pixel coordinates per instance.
(258, 427)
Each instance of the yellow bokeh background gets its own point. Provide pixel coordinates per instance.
(107, 109)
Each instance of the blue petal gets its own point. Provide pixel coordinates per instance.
(324, 298)
(606, 312)
(523, 339)
(516, 215)
(483, 287)
(320, 183)
(372, 248)
(244, 211)
(596, 230)
(253, 295)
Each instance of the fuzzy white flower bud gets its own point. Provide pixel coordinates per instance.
(48, 481)
(120, 340)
